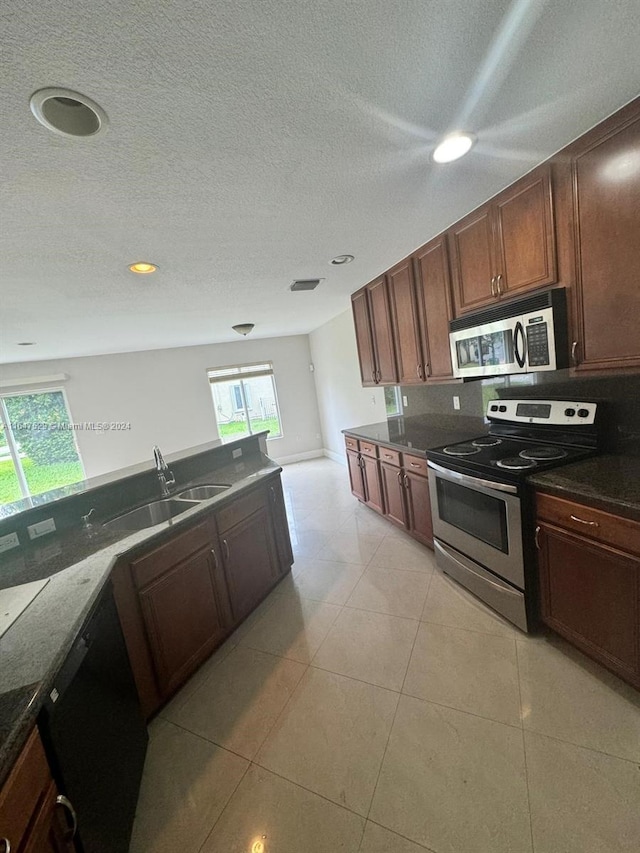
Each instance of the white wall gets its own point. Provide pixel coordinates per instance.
(342, 400)
(165, 395)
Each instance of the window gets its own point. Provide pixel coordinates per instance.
(392, 400)
(37, 445)
(245, 400)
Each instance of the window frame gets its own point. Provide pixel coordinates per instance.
(241, 373)
(12, 443)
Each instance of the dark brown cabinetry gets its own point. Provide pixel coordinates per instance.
(32, 818)
(402, 486)
(179, 601)
(374, 334)
(507, 246)
(433, 291)
(364, 473)
(412, 360)
(589, 564)
(605, 192)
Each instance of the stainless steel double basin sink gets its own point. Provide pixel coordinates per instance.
(163, 510)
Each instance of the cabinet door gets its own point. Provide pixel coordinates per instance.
(373, 486)
(382, 331)
(590, 594)
(355, 474)
(250, 564)
(183, 619)
(404, 311)
(473, 261)
(525, 235)
(364, 341)
(433, 285)
(49, 834)
(393, 493)
(606, 192)
(280, 527)
(419, 508)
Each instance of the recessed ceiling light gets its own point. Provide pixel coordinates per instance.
(68, 113)
(339, 260)
(453, 146)
(143, 267)
(27, 344)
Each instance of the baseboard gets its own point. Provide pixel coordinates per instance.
(337, 457)
(298, 457)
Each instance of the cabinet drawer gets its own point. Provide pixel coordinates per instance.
(23, 791)
(351, 443)
(368, 448)
(594, 523)
(240, 509)
(391, 457)
(161, 559)
(416, 464)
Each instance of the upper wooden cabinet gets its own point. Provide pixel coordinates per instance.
(507, 246)
(374, 334)
(412, 360)
(433, 290)
(605, 194)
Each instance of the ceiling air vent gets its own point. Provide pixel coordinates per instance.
(305, 284)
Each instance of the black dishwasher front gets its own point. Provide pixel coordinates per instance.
(94, 733)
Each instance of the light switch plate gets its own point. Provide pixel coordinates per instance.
(405, 402)
(8, 542)
(237, 452)
(456, 403)
(41, 528)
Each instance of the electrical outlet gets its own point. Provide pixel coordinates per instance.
(456, 403)
(41, 528)
(237, 453)
(8, 542)
(405, 402)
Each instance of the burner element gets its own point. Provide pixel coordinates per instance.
(515, 463)
(487, 441)
(543, 454)
(464, 449)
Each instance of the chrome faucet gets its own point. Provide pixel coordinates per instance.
(163, 470)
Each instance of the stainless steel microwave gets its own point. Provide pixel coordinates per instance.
(522, 336)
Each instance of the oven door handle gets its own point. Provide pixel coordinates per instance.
(465, 479)
(520, 357)
(447, 553)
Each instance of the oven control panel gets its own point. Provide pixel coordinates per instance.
(553, 412)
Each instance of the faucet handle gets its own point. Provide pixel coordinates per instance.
(85, 518)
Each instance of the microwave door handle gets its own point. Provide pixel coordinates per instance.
(520, 357)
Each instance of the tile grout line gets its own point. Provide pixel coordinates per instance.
(400, 835)
(524, 752)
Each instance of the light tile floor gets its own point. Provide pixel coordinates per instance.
(372, 704)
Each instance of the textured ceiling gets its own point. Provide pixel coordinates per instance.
(250, 141)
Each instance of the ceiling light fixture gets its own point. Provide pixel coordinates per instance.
(243, 328)
(453, 146)
(339, 260)
(143, 267)
(68, 113)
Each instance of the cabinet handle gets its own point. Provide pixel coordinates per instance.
(419, 371)
(61, 800)
(574, 353)
(215, 558)
(399, 476)
(415, 464)
(405, 481)
(7, 845)
(499, 284)
(493, 285)
(225, 545)
(537, 537)
(387, 456)
(582, 521)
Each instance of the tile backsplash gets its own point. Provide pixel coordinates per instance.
(620, 392)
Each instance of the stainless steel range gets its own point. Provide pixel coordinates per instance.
(483, 513)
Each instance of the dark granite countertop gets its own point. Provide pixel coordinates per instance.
(417, 434)
(79, 565)
(611, 483)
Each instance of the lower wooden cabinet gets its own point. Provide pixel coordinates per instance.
(393, 483)
(180, 600)
(33, 819)
(589, 586)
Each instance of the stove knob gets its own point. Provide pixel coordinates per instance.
(503, 408)
(571, 412)
(583, 413)
(494, 408)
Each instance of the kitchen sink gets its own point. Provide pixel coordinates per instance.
(203, 493)
(150, 514)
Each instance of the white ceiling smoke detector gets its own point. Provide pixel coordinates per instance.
(454, 146)
(68, 113)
